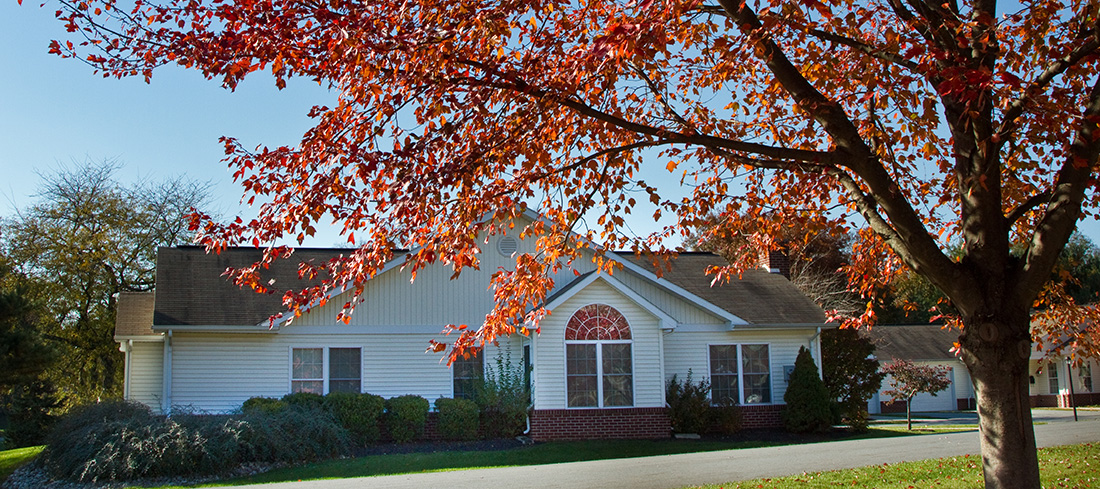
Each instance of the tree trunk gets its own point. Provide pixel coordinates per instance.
(996, 354)
(909, 414)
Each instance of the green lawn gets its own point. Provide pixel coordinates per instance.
(12, 459)
(1075, 466)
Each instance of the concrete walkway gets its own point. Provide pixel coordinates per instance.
(676, 471)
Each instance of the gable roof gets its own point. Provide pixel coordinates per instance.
(758, 297)
(921, 342)
(135, 314)
(191, 289)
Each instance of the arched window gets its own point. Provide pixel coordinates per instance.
(599, 360)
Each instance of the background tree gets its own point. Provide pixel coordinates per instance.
(929, 120)
(87, 238)
(807, 398)
(817, 257)
(908, 379)
(850, 372)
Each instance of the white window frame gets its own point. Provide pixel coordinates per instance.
(1054, 384)
(481, 355)
(600, 374)
(326, 365)
(741, 372)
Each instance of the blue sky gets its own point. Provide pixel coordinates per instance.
(55, 111)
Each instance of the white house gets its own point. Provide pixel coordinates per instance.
(931, 345)
(924, 344)
(597, 370)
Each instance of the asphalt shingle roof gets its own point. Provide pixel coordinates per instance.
(912, 342)
(191, 289)
(135, 314)
(758, 296)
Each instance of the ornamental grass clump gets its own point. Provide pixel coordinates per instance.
(121, 441)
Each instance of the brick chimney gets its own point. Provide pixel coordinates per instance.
(776, 261)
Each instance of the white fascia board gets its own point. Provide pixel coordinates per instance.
(205, 328)
(146, 338)
(666, 321)
(788, 326)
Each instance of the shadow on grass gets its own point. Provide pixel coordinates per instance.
(538, 454)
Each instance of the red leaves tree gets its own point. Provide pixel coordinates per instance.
(925, 121)
(908, 379)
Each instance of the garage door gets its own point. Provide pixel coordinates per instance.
(944, 401)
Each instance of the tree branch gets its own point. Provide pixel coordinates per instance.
(1056, 67)
(1064, 207)
(865, 49)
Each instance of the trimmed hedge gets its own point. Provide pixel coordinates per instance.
(458, 418)
(360, 414)
(405, 417)
(263, 404)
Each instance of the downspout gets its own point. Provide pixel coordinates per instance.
(815, 349)
(166, 397)
(126, 347)
(531, 394)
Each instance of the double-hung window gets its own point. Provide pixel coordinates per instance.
(468, 372)
(740, 374)
(323, 370)
(1085, 372)
(1052, 378)
(599, 358)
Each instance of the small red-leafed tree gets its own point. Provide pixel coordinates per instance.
(925, 121)
(908, 379)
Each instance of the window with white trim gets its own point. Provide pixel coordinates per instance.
(740, 373)
(1085, 372)
(1052, 378)
(599, 358)
(324, 370)
(467, 371)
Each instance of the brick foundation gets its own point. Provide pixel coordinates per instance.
(589, 424)
(1063, 401)
(762, 416)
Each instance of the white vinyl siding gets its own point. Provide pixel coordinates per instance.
(686, 350)
(147, 373)
(549, 357)
(218, 372)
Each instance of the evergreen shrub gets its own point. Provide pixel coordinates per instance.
(688, 404)
(458, 418)
(808, 400)
(360, 414)
(405, 417)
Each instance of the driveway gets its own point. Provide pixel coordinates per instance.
(674, 471)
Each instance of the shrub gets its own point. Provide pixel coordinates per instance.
(807, 398)
(406, 417)
(122, 441)
(458, 418)
(360, 414)
(264, 404)
(688, 404)
(727, 418)
(305, 399)
(503, 398)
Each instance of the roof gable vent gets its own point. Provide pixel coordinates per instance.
(507, 245)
